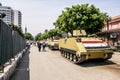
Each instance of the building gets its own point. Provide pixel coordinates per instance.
(114, 24)
(0, 4)
(12, 16)
(17, 18)
(9, 14)
(111, 32)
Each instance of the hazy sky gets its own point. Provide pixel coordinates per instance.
(38, 15)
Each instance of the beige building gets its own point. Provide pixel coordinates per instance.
(111, 32)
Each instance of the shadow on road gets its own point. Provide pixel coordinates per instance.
(22, 70)
(92, 63)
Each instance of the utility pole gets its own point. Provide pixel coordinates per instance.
(25, 29)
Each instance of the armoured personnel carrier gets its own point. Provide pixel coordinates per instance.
(53, 43)
(81, 47)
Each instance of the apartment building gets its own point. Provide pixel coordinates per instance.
(9, 18)
(12, 16)
(17, 18)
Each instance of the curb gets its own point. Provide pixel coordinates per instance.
(9, 70)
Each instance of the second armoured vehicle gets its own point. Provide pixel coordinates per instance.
(81, 47)
(53, 44)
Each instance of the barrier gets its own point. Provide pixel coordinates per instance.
(11, 43)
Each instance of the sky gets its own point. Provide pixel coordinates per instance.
(38, 15)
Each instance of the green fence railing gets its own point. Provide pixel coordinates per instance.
(11, 43)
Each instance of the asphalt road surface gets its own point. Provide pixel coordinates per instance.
(50, 65)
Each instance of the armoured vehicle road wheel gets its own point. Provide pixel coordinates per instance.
(75, 59)
(68, 56)
(71, 57)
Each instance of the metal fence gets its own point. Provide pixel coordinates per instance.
(11, 43)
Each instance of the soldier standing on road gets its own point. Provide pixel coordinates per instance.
(44, 45)
(39, 46)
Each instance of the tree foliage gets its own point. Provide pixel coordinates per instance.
(52, 32)
(37, 36)
(2, 15)
(48, 34)
(28, 36)
(83, 16)
(17, 28)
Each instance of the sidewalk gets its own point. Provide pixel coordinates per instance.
(22, 70)
(29, 65)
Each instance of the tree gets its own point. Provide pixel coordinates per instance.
(54, 32)
(48, 34)
(45, 31)
(2, 15)
(83, 16)
(17, 28)
(107, 21)
(43, 36)
(37, 36)
(28, 36)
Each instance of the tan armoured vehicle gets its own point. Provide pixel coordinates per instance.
(53, 44)
(81, 48)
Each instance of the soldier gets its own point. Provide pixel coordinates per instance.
(44, 45)
(39, 46)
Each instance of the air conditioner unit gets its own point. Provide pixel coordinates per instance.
(117, 44)
(113, 35)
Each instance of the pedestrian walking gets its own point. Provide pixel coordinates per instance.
(39, 46)
(44, 45)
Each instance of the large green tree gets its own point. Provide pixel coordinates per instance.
(83, 16)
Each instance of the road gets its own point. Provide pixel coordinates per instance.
(50, 65)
